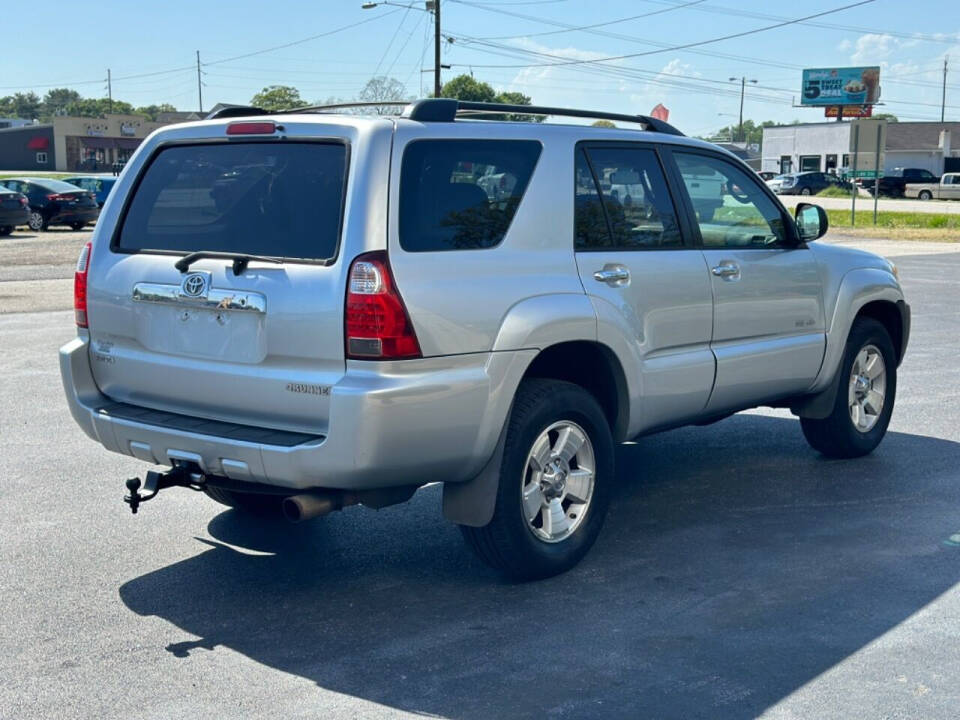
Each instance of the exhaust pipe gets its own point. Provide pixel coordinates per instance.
(306, 506)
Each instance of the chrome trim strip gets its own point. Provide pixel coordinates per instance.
(215, 299)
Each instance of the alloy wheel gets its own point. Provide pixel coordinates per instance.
(558, 481)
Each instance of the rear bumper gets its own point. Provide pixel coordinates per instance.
(14, 217)
(403, 423)
(71, 216)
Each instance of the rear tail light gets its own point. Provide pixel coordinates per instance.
(80, 287)
(60, 197)
(376, 323)
(23, 200)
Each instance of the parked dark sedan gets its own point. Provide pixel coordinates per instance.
(14, 210)
(97, 184)
(805, 183)
(53, 202)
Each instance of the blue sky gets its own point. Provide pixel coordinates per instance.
(505, 42)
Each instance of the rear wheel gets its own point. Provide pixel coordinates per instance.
(6, 230)
(554, 483)
(37, 222)
(805, 191)
(925, 195)
(868, 387)
(254, 503)
(78, 225)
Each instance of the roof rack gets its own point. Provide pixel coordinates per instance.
(448, 109)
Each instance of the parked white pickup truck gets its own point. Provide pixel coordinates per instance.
(947, 189)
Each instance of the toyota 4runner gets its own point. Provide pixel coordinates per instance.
(307, 310)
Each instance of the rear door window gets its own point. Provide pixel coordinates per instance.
(462, 194)
(277, 199)
(639, 211)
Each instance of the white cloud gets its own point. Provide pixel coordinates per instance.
(872, 48)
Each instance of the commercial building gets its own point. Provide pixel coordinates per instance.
(72, 144)
(825, 147)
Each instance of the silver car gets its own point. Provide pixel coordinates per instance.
(304, 311)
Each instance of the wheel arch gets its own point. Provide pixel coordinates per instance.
(594, 367)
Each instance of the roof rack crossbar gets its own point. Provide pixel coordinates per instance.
(447, 110)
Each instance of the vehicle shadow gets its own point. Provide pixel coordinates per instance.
(736, 566)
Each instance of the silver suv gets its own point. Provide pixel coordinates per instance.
(309, 310)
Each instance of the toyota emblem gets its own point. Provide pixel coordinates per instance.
(194, 285)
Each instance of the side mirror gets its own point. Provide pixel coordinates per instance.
(812, 222)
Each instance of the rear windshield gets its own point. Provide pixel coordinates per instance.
(56, 186)
(462, 194)
(276, 199)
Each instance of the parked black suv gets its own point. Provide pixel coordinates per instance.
(894, 184)
(53, 202)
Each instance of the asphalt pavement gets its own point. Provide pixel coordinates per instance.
(738, 575)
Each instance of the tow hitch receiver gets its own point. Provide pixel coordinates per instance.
(178, 476)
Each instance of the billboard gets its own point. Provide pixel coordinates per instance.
(849, 111)
(841, 86)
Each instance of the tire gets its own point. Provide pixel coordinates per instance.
(6, 230)
(837, 436)
(925, 195)
(805, 191)
(78, 225)
(516, 546)
(253, 503)
(37, 222)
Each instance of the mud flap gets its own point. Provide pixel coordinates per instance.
(819, 406)
(472, 502)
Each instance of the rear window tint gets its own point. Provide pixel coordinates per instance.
(462, 194)
(277, 199)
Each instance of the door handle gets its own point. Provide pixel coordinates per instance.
(614, 275)
(727, 271)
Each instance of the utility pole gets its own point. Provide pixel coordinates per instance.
(436, 48)
(199, 84)
(743, 88)
(943, 101)
(109, 90)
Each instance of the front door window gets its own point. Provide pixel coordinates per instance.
(732, 209)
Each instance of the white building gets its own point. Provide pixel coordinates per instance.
(825, 147)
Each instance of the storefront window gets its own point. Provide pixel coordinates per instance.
(809, 163)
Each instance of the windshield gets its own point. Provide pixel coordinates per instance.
(280, 200)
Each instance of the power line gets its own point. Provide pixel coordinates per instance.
(685, 46)
(571, 28)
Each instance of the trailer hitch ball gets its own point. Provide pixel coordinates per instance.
(134, 498)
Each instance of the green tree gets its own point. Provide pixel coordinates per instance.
(603, 123)
(55, 102)
(381, 89)
(752, 132)
(466, 87)
(98, 107)
(889, 117)
(278, 97)
(21, 105)
(152, 111)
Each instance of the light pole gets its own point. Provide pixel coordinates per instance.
(428, 6)
(743, 88)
